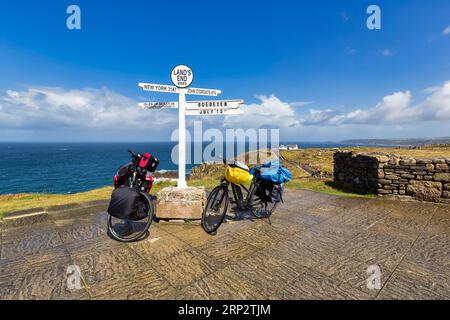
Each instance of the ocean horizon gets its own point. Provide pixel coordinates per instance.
(71, 167)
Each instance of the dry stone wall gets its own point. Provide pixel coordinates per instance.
(392, 175)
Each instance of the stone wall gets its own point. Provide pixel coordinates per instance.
(392, 175)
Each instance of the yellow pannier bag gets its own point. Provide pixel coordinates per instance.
(237, 175)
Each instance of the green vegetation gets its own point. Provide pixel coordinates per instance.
(324, 186)
(10, 203)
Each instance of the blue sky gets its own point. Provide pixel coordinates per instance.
(57, 84)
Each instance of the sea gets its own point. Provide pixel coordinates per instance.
(65, 168)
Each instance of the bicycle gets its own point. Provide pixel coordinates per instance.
(135, 175)
(217, 202)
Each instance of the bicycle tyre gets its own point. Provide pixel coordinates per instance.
(258, 207)
(150, 215)
(212, 198)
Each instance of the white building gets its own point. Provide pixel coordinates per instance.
(288, 147)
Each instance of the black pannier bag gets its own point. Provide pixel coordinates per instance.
(270, 192)
(124, 203)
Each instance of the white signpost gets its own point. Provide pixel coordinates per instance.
(159, 105)
(182, 77)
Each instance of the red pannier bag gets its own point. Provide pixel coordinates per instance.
(148, 162)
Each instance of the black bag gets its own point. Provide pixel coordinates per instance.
(270, 192)
(124, 203)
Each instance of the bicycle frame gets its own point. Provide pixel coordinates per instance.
(241, 202)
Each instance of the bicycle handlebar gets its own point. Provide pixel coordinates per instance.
(134, 154)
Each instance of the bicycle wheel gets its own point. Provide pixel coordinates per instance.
(259, 207)
(215, 209)
(129, 230)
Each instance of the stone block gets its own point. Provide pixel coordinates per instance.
(394, 161)
(380, 174)
(383, 191)
(441, 166)
(446, 194)
(408, 176)
(424, 161)
(391, 177)
(438, 161)
(443, 177)
(447, 186)
(185, 203)
(407, 161)
(382, 159)
(384, 181)
(424, 190)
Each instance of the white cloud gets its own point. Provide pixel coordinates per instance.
(446, 31)
(90, 114)
(388, 53)
(91, 109)
(270, 112)
(394, 109)
(298, 104)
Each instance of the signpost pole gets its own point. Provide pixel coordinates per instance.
(182, 77)
(182, 139)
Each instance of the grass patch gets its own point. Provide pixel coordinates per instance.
(17, 202)
(325, 186)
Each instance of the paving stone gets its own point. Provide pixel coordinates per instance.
(400, 225)
(432, 249)
(81, 232)
(271, 272)
(413, 281)
(440, 222)
(186, 267)
(304, 219)
(16, 233)
(24, 263)
(360, 217)
(139, 284)
(351, 272)
(225, 284)
(100, 263)
(195, 237)
(261, 235)
(300, 251)
(159, 248)
(313, 285)
(40, 281)
(30, 244)
(175, 227)
(228, 249)
(377, 248)
(329, 235)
